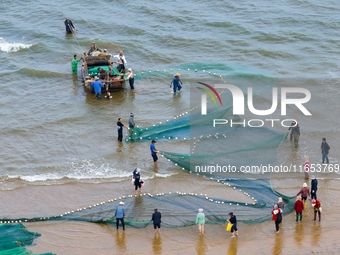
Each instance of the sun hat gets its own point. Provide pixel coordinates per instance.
(177, 74)
(121, 202)
(304, 185)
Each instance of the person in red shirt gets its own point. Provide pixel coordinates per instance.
(317, 208)
(298, 207)
(277, 217)
(304, 192)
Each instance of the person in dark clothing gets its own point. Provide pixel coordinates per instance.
(314, 187)
(120, 126)
(291, 130)
(176, 83)
(277, 217)
(156, 218)
(131, 78)
(137, 180)
(121, 65)
(280, 203)
(132, 121)
(233, 221)
(324, 150)
(296, 134)
(69, 26)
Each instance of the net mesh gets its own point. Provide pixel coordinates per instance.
(13, 238)
(236, 146)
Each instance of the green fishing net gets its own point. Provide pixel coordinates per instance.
(14, 237)
(207, 146)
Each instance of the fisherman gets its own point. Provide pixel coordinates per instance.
(137, 180)
(131, 121)
(119, 214)
(121, 56)
(93, 49)
(313, 187)
(131, 78)
(176, 83)
(154, 152)
(121, 65)
(325, 150)
(317, 208)
(74, 64)
(69, 26)
(298, 207)
(120, 126)
(97, 85)
(304, 192)
(277, 217)
(296, 134)
(200, 220)
(156, 219)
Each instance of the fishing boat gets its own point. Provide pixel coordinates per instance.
(97, 63)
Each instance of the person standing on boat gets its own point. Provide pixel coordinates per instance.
(176, 83)
(120, 126)
(121, 66)
(69, 26)
(74, 64)
(131, 78)
(97, 87)
(121, 56)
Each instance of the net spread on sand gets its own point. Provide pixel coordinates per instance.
(208, 146)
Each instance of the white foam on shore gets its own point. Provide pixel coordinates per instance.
(165, 175)
(12, 47)
(82, 170)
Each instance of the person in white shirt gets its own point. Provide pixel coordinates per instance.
(121, 56)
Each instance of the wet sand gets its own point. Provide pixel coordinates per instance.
(68, 237)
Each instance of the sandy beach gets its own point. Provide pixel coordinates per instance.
(69, 237)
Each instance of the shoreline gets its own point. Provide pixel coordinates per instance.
(71, 237)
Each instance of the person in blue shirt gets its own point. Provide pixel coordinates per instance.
(176, 83)
(119, 214)
(97, 87)
(154, 152)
